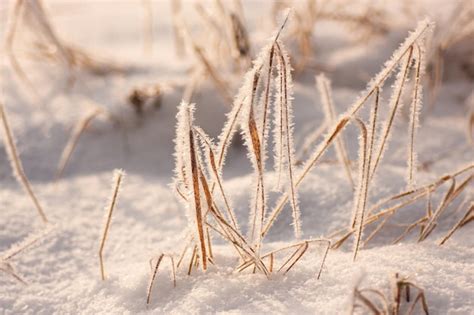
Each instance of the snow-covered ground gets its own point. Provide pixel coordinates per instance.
(62, 271)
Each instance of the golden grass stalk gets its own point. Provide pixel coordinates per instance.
(370, 299)
(256, 147)
(410, 227)
(18, 248)
(293, 259)
(467, 217)
(194, 259)
(152, 279)
(155, 273)
(197, 197)
(188, 168)
(259, 207)
(450, 195)
(285, 133)
(243, 249)
(365, 160)
(425, 189)
(117, 181)
(324, 87)
(407, 198)
(415, 109)
(372, 219)
(209, 244)
(185, 249)
(395, 101)
(309, 141)
(373, 128)
(306, 169)
(375, 301)
(325, 255)
(76, 133)
(25, 244)
(228, 233)
(211, 162)
(228, 131)
(403, 283)
(362, 187)
(301, 248)
(376, 230)
(15, 163)
(8, 268)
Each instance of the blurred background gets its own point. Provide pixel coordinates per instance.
(94, 85)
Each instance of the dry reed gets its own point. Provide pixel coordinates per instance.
(377, 302)
(16, 165)
(19, 248)
(117, 182)
(155, 272)
(76, 133)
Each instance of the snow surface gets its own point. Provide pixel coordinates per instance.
(62, 271)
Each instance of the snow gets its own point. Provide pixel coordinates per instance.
(62, 270)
